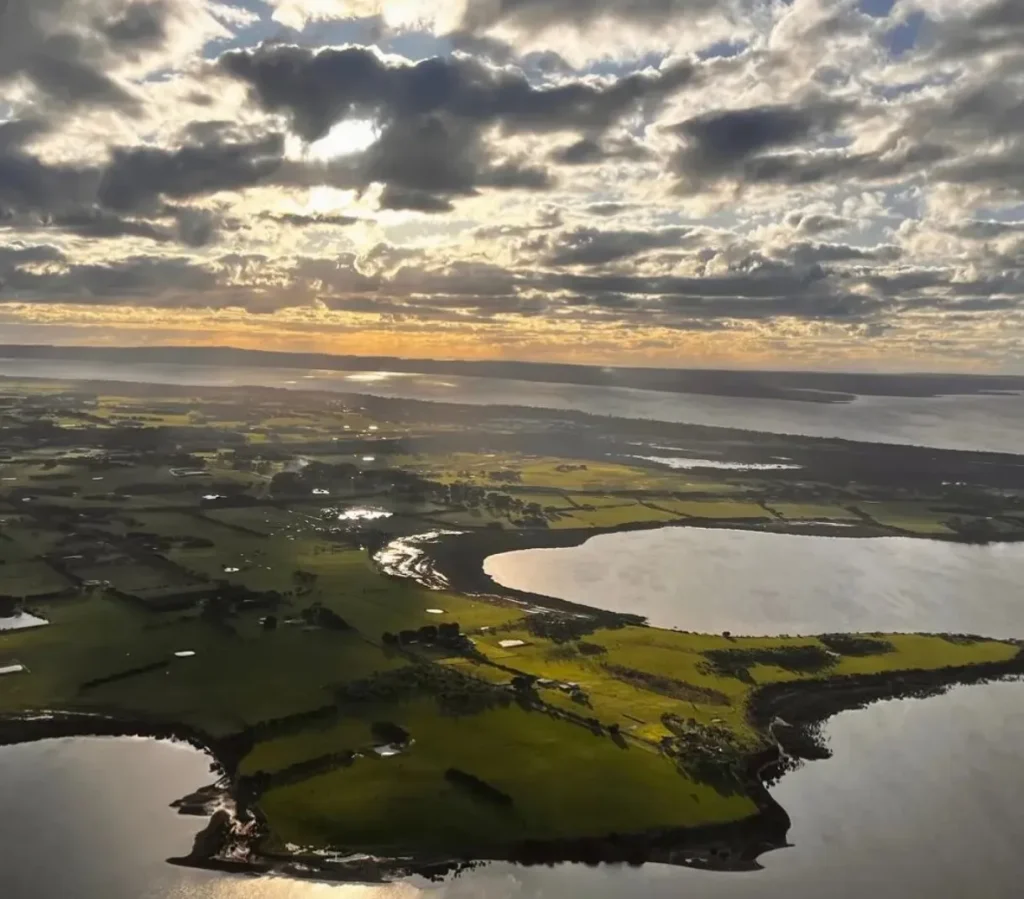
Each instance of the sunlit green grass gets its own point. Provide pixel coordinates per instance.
(564, 782)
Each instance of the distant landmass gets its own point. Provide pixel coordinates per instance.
(803, 386)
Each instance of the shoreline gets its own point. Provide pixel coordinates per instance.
(788, 717)
(460, 558)
(801, 707)
(661, 427)
(730, 846)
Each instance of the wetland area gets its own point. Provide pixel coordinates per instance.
(454, 649)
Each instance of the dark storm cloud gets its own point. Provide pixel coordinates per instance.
(593, 247)
(319, 88)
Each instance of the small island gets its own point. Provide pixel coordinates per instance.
(294, 582)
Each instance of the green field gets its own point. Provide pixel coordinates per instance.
(811, 512)
(914, 518)
(29, 579)
(564, 782)
(304, 652)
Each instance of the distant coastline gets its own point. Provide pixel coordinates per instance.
(798, 386)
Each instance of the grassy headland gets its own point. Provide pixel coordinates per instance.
(206, 565)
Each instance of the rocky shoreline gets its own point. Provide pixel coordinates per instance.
(793, 712)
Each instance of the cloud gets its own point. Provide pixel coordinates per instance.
(63, 57)
(141, 24)
(811, 177)
(534, 15)
(416, 200)
(593, 247)
(813, 224)
(98, 224)
(29, 185)
(716, 143)
(592, 151)
(605, 210)
(81, 53)
(308, 221)
(137, 178)
(44, 275)
(320, 88)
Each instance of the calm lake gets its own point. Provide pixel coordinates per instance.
(994, 423)
(921, 798)
(762, 584)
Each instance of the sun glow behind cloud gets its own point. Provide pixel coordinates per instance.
(654, 179)
(344, 139)
(347, 138)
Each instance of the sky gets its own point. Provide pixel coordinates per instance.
(739, 183)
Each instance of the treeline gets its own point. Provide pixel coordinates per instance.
(737, 663)
(856, 645)
(125, 674)
(667, 686)
(250, 787)
(449, 635)
(564, 628)
(708, 753)
(478, 788)
(454, 692)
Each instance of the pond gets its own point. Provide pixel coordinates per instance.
(921, 798)
(756, 583)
